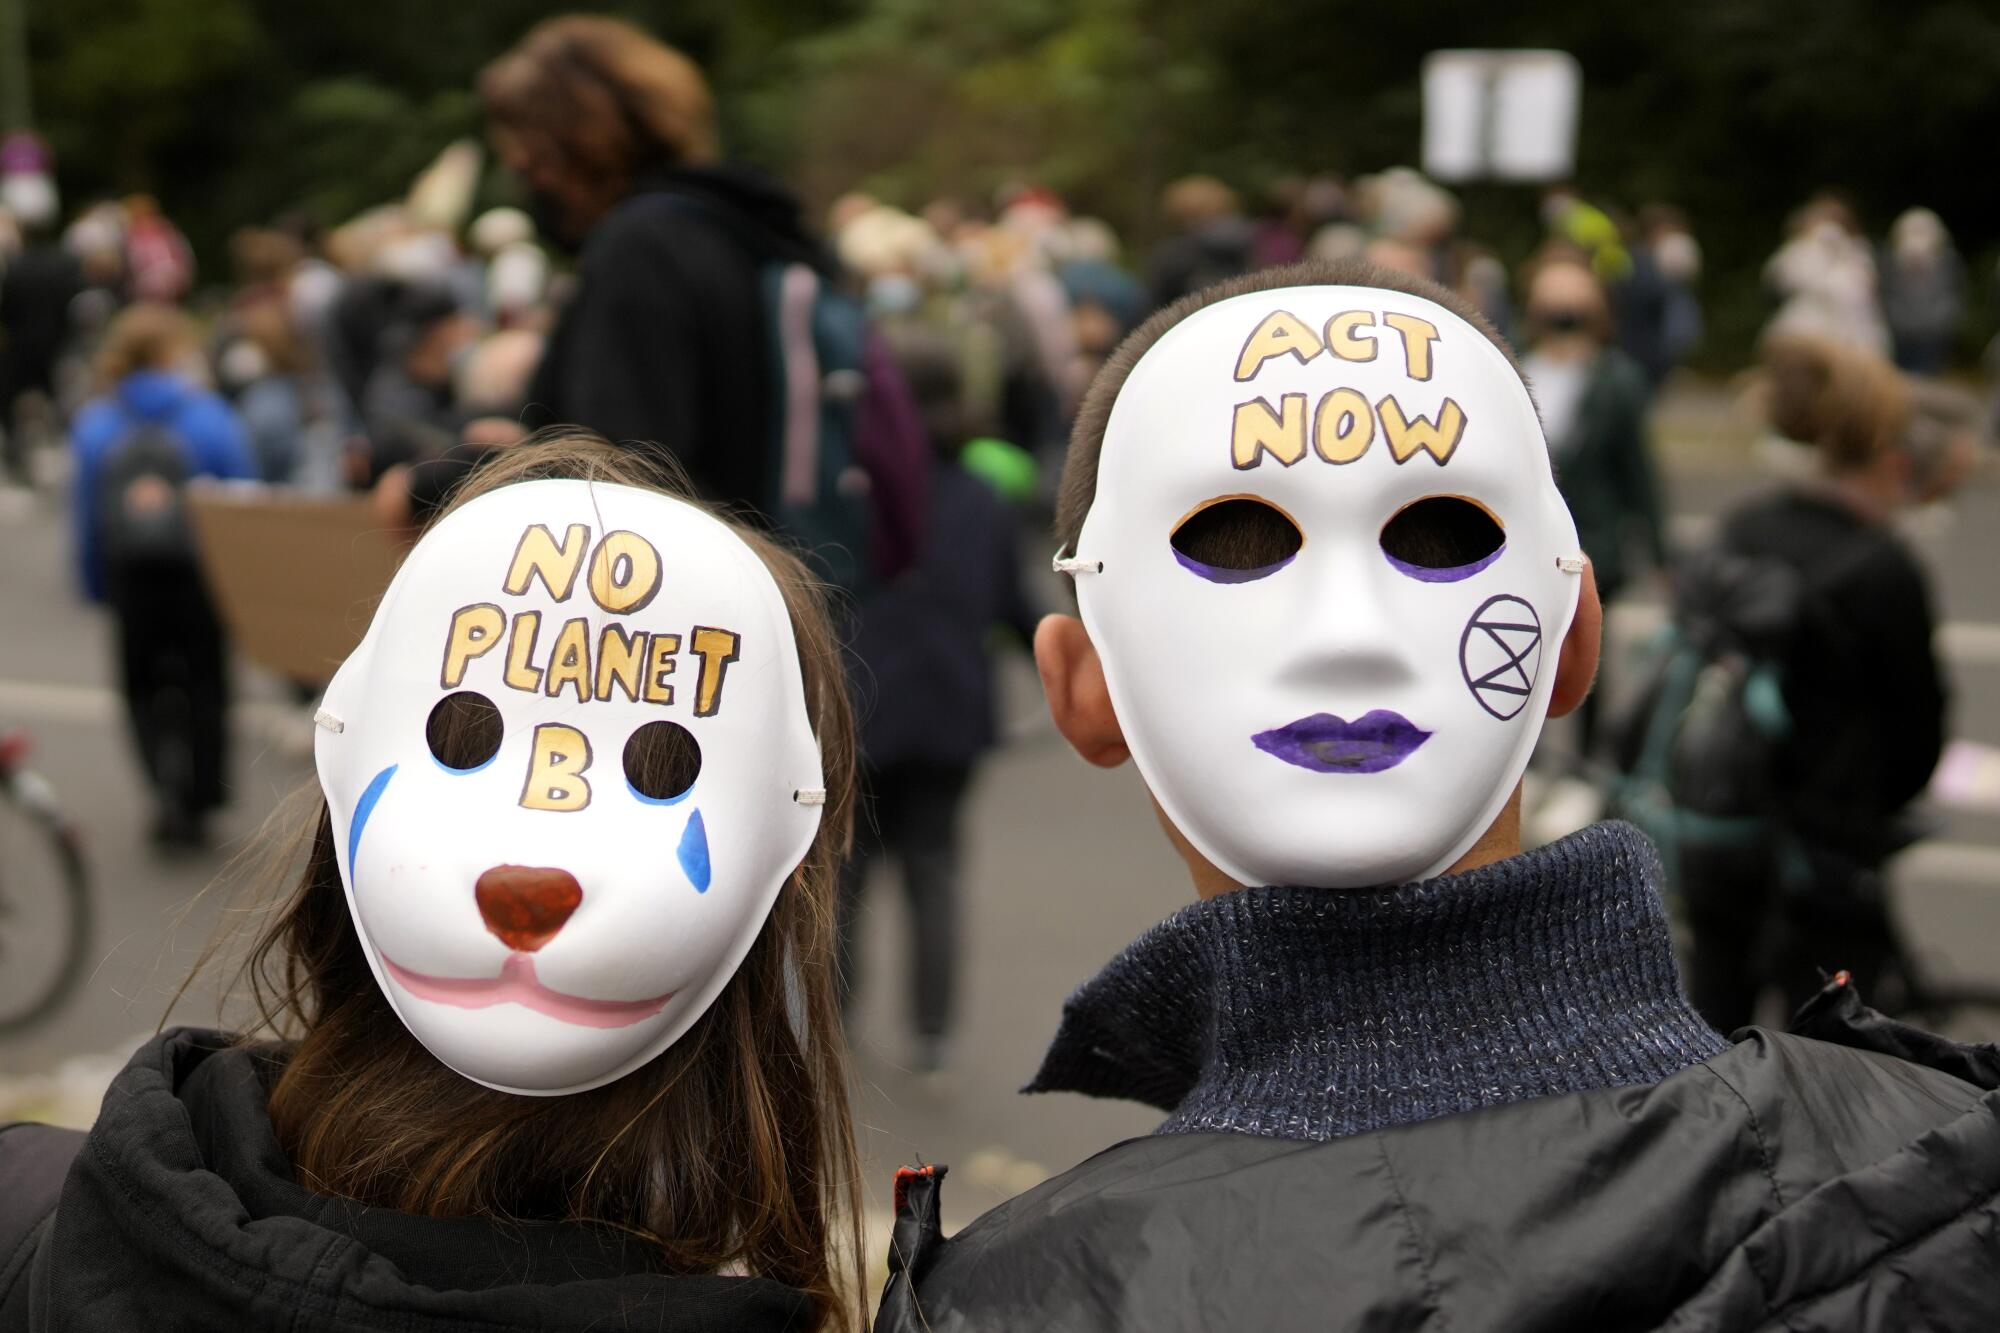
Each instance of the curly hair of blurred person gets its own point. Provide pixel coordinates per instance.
(595, 100)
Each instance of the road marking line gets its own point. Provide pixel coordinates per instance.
(51, 702)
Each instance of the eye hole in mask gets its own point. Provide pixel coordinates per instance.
(662, 760)
(1443, 538)
(1237, 539)
(464, 731)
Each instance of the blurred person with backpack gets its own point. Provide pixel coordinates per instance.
(526, 1048)
(151, 431)
(705, 323)
(926, 694)
(1803, 708)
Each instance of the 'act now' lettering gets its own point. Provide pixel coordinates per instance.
(1342, 425)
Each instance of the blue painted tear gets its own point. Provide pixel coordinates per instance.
(364, 808)
(694, 853)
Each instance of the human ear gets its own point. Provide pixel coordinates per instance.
(1079, 699)
(1577, 667)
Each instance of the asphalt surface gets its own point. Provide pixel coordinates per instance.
(1064, 863)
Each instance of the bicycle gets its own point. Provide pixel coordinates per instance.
(46, 916)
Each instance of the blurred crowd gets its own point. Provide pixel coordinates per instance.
(389, 352)
(345, 351)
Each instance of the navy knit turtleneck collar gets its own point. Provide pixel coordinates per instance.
(1316, 1013)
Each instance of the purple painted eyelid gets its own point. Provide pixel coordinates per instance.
(1450, 575)
(1215, 575)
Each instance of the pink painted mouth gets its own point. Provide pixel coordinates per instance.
(517, 984)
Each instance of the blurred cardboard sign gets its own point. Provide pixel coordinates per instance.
(1501, 115)
(295, 577)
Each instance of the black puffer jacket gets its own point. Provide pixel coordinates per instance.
(1845, 1179)
(179, 1212)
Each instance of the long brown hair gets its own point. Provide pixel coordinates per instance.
(603, 99)
(733, 1150)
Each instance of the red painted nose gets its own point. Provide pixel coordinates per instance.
(526, 905)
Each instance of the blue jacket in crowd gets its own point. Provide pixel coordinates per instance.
(204, 424)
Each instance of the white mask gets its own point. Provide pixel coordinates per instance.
(1340, 718)
(540, 923)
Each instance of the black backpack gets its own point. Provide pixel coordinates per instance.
(1697, 749)
(141, 500)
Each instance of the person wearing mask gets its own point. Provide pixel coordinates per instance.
(1413, 1075)
(555, 988)
(1593, 404)
(151, 430)
(1862, 688)
(662, 344)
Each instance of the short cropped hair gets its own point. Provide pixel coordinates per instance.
(1078, 488)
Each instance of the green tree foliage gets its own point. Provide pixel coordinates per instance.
(231, 110)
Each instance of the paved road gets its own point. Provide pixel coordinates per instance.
(1064, 866)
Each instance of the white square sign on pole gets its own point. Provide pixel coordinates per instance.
(1501, 115)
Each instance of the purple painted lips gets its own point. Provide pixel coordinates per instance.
(1324, 743)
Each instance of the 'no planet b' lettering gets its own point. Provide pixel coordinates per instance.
(623, 577)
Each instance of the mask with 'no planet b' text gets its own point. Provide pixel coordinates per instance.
(569, 768)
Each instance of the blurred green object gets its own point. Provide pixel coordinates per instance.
(1008, 468)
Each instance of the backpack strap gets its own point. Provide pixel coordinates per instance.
(34, 1160)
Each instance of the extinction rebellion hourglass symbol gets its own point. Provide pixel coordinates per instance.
(1500, 654)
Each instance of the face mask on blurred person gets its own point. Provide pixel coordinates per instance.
(569, 769)
(551, 218)
(893, 294)
(1559, 320)
(1335, 578)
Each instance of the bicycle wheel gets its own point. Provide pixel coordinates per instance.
(45, 912)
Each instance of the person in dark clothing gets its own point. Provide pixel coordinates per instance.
(183, 1210)
(408, 408)
(1593, 398)
(926, 686)
(1861, 685)
(1413, 1075)
(172, 656)
(663, 343)
(1212, 239)
(457, 1113)
(36, 289)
